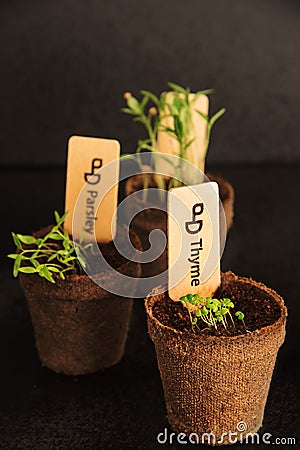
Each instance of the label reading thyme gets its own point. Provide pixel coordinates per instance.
(193, 240)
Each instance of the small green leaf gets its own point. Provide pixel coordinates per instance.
(216, 116)
(60, 220)
(127, 156)
(205, 116)
(55, 236)
(81, 261)
(56, 216)
(12, 256)
(39, 242)
(176, 87)
(151, 96)
(53, 269)
(69, 259)
(66, 244)
(240, 315)
(216, 302)
(127, 111)
(17, 265)
(52, 257)
(28, 269)
(134, 105)
(204, 92)
(194, 321)
(27, 239)
(227, 302)
(44, 272)
(204, 311)
(34, 263)
(16, 241)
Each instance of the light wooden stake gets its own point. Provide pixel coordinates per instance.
(86, 156)
(193, 240)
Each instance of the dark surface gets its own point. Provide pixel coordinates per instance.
(66, 63)
(123, 407)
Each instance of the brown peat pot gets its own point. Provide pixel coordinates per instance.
(154, 218)
(213, 383)
(79, 327)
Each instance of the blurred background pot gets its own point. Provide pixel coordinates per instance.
(152, 218)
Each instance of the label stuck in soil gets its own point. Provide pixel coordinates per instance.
(86, 156)
(193, 240)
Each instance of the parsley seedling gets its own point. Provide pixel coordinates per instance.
(51, 254)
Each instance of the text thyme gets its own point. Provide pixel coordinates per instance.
(194, 227)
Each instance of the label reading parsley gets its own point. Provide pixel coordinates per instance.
(86, 156)
(193, 240)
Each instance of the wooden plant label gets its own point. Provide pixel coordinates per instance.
(168, 144)
(193, 240)
(86, 156)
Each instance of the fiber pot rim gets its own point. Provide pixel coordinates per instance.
(156, 294)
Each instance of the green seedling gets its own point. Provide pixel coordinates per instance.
(212, 311)
(151, 110)
(51, 254)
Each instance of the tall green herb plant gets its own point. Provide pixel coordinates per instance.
(151, 111)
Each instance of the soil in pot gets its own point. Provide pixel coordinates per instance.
(155, 218)
(79, 327)
(213, 380)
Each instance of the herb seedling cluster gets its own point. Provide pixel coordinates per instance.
(51, 254)
(211, 311)
(152, 110)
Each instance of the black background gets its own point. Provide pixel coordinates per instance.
(66, 63)
(64, 66)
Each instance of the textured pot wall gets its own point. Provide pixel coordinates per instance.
(80, 327)
(65, 64)
(73, 324)
(212, 383)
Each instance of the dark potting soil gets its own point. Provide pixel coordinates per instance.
(259, 307)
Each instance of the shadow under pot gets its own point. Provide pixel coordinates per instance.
(217, 381)
(80, 327)
(153, 218)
